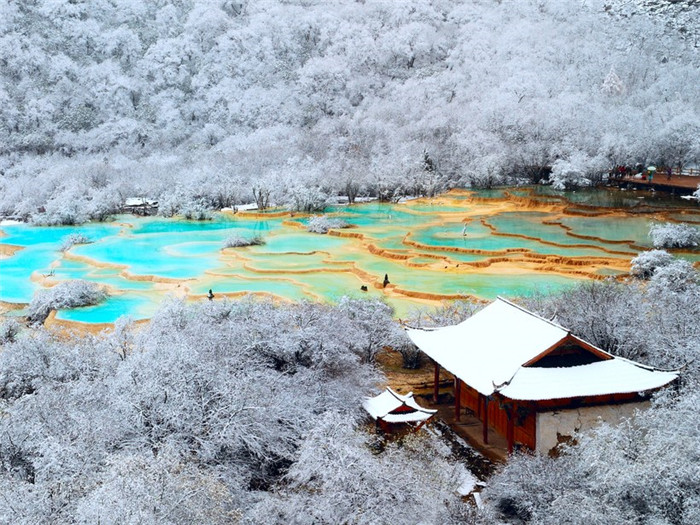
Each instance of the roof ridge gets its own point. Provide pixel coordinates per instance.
(533, 314)
(399, 396)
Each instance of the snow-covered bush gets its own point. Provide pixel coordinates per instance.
(74, 238)
(239, 241)
(9, 330)
(185, 200)
(68, 294)
(305, 199)
(323, 223)
(671, 235)
(645, 264)
(676, 276)
(196, 211)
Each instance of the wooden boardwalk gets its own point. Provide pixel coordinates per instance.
(682, 184)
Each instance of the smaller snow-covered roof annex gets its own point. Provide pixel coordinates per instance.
(507, 350)
(392, 407)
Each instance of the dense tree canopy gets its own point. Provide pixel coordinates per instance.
(211, 413)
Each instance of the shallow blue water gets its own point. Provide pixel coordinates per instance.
(143, 260)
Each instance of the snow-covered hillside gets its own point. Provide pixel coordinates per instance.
(202, 101)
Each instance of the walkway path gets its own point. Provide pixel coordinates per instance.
(661, 181)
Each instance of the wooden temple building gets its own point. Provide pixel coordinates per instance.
(394, 412)
(531, 380)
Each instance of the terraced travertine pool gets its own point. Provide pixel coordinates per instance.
(462, 244)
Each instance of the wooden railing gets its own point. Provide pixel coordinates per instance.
(688, 172)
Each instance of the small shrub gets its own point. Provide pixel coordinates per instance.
(9, 331)
(74, 238)
(68, 294)
(237, 241)
(323, 223)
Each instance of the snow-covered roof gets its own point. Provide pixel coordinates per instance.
(488, 352)
(383, 406)
(613, 376)
(487, 349)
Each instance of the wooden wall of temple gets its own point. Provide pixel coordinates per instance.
(523, 415)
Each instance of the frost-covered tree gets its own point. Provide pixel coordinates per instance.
(374, 329)
(646, 263)
(670, 235)
(677, 276)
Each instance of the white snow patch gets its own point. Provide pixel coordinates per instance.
(467, 483)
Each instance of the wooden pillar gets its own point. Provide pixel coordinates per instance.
(510, 430)
(458, 397)
(436, 386)
(485, 428)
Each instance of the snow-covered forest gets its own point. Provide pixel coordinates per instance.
(202, 104)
